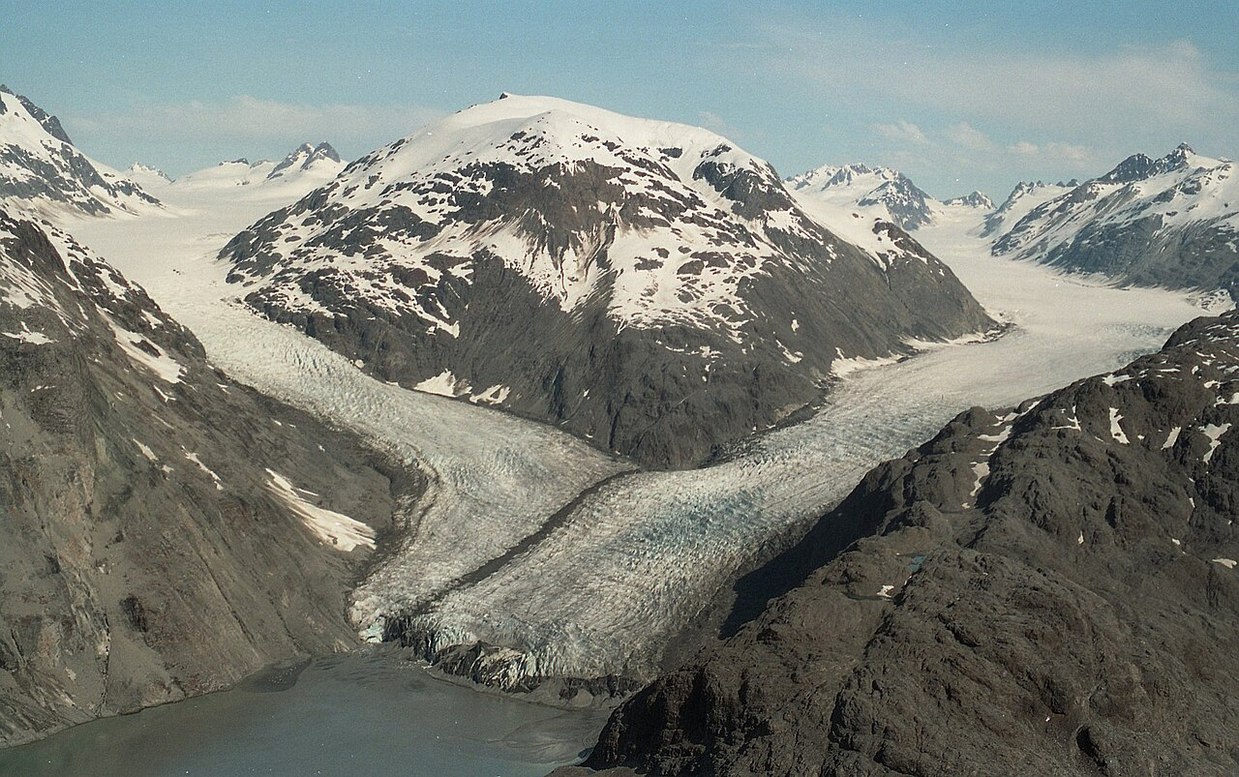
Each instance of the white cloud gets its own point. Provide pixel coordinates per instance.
(1168, 83)
(1115, 99)
(1069, 152)
(964, 134)
(244, 122)
(902, 131)
(246, 116)
(1001, 109)
(1053, 151)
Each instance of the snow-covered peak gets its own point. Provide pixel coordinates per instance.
(146, 176)
(530, 250)
(876, 192)
(301, 170)
(226, 175)
(41, 171)
(1171, 221)
(978, 200)
(50, 124)
(1139, 167)
(321, 159)
(530, 132)
(853, 175)
(669, 221)
(1023, 198)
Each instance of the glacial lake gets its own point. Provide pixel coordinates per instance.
(351, 715)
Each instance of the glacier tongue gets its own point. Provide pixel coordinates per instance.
(533, 542)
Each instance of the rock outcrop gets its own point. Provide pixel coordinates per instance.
(165, 530)
(1048, 590)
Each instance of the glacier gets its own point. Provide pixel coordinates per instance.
(570, 562)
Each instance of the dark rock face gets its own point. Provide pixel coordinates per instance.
(1170, 222)
(39, 165)
(1052, 590)
(145, 552)
(659, 300)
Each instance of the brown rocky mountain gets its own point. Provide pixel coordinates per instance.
(1048, 590)
(647, 286)
(165, 530)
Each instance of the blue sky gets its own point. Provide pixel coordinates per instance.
(959, 95)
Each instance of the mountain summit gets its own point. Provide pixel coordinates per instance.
(40, 168)
(647, 285)
(890, 191)
(306, 158)
(1172, 221)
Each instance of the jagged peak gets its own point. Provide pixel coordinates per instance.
(50, 124)
(1028, 187)
(974, 199)
(830, 176)
(325, 149)
(1138, 167)
(304, 157)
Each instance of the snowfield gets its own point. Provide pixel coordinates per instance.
(532, 541)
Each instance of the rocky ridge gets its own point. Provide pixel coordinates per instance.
(167, 531)
(41, 170)
(1172, 222)
(1023, 198)
(647, 286)
(1046, 590)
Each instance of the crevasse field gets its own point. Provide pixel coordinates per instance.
(585, 577)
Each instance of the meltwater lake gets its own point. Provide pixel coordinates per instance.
(349, 715)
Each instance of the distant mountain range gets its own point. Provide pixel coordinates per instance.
(876, 193)
(1172, 221)
(646, 285)
(306, 167)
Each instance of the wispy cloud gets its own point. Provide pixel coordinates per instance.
(1172, 82)
(1065, 152)
(1006, 109)
(244, 122)
(902, 130)
(965, 135)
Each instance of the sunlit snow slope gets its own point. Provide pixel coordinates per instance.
(1172, 221)
(646, 285)
(41, 170)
